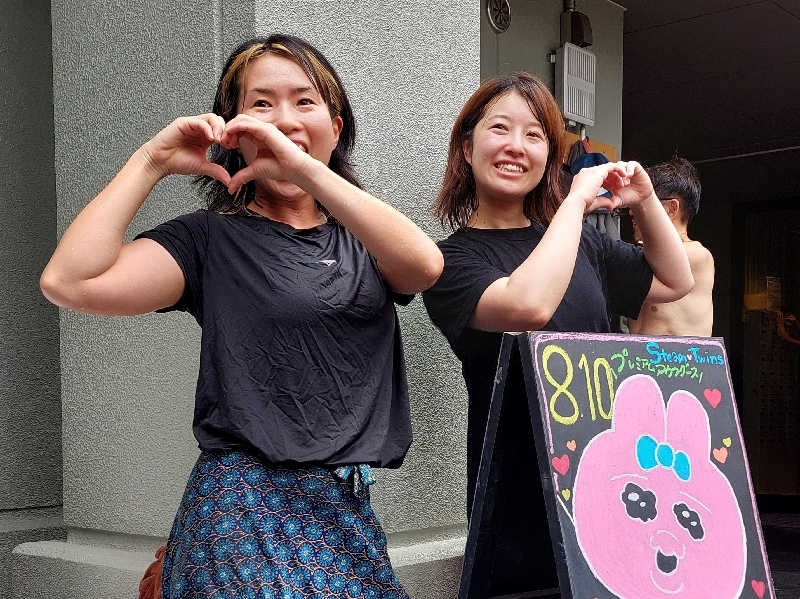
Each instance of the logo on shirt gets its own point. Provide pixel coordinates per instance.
(327, 262)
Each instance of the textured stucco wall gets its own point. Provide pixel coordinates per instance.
(121, 71)
(30, 410)
(535, 33)
(30, 406)
(128, 383)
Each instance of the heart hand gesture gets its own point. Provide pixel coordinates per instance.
(627, 182)
(268, 152)
(181, 147)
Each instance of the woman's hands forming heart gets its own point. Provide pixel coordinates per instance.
(268, 152)
(627, 181)
(182, 147)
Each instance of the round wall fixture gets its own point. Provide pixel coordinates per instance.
(499, 13)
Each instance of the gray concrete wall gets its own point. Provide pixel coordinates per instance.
(535, 33)
(30, 407)
(29, 376)
(127, 384)
(130, 379)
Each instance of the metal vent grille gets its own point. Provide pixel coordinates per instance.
(576, 69)
(499, 13)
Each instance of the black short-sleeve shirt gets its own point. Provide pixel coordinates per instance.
(609, 277)
(301, 357)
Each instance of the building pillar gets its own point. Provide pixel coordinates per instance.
(30, 408)
(122, 71)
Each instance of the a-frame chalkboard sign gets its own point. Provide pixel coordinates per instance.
(646, 482)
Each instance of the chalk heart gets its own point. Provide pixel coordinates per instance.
(571, 445)
(713, 397)
(758, 587)
(721, 454)
(561, 464)
(726, 441)
(566, 494)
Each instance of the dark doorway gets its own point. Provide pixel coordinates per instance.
(765, 348)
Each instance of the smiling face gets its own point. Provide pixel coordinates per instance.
(653, 516)
(508, 151)
(274, 89)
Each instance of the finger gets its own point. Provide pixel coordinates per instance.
(215, 171)
(614, 173)
(601, 202)
(216, 122)
(197, 127)
(242, 177)
(265, 134)
(244, 124)
(614, 181)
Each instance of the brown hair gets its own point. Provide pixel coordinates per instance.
(457, 199)
(226, 104)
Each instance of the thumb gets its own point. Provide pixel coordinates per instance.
(242, 177)
(215, 171)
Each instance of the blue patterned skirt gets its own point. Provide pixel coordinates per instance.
(246, 530)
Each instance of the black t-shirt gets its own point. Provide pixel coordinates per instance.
(301, 357)
(609, 277)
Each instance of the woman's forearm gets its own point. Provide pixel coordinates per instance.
(663, 248)
(408, 259)
(93, 241)
(552, 261)
(527, 298)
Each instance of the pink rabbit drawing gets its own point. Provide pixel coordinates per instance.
(654, 517)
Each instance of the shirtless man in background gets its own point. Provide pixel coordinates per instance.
(677, 186)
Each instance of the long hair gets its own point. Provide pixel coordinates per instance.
(457, 199)
(226, 104)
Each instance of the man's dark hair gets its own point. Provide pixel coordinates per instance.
(677, 178)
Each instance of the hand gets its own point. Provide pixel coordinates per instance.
(268, 152)
(627, 182)
(639, 186)
(182, 146)
(612, 176)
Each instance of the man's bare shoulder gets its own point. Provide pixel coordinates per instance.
(702, 264)
(698, 254)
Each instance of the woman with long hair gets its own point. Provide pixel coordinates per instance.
(291, 272)
(521, 259)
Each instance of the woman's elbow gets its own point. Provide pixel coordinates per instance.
(678, 289)
(685, 284)
(57, 290)
(426, 272)
(51, 287)
(530, 317)
(433, 269)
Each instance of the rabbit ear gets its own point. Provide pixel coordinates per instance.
(639, 408)
(687, 426)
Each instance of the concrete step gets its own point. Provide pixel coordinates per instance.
(69, 570)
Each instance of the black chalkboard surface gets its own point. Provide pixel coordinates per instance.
(646, 483)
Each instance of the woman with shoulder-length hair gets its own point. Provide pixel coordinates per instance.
(291, 272)
(521, 259)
